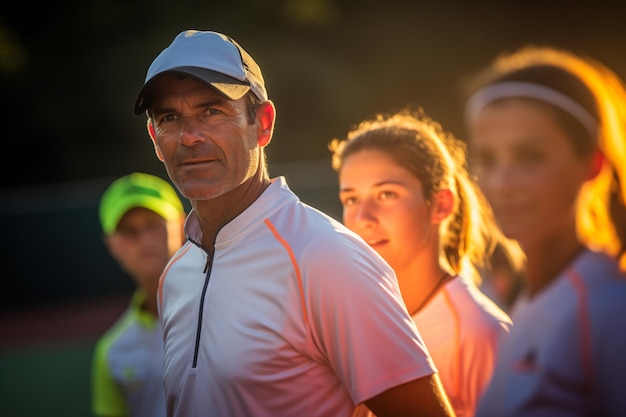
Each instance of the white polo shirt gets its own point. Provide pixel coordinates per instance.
(295, 315)
(565, 353)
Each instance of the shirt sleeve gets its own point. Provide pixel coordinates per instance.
(360, 324)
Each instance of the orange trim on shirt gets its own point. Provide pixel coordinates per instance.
(295, 267)
(585, 326)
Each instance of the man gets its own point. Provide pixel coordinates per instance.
(271, 308)
(142, 218)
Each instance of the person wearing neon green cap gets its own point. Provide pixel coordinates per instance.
(142, 219)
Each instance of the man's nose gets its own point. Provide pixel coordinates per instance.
(191, 132)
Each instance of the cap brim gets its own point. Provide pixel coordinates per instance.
(229, 87)
(124, 204)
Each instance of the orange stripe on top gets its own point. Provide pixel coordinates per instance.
(457, 337)
(585, 326)
(295, 267)
(167, 268)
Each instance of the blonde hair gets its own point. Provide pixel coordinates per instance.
(601, 206)
(438, 160)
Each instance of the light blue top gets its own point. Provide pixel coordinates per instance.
(565, 353)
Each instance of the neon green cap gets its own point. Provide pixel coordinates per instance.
(138, 190)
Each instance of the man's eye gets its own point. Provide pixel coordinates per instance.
(165, 118)
(212, 111)
(128, 232)
(348, 201)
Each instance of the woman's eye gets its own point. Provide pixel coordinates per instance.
(481, 160)
(386, 195)
(529, 156)
(348, 201)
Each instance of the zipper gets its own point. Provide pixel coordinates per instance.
(207, 270)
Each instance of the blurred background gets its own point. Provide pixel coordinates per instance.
(69, 73)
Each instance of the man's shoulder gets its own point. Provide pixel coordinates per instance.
(315, 232)
(304, 217)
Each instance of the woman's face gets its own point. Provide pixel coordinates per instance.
(384, 204)
(527, 169)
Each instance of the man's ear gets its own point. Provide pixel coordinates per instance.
(152, 134)
(266, 115)
(442, 205)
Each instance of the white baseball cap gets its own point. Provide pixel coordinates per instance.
(210, 57)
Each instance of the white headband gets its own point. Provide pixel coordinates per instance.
(511, 89)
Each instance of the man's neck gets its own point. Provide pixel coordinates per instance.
(215, 213)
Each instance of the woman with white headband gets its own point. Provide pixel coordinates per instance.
(547, 142)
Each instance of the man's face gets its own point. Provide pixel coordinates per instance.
(142, 243)
(205, 140)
